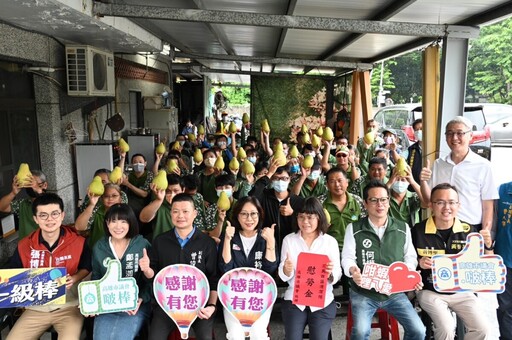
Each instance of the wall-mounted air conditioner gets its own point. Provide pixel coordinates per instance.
(90, 71)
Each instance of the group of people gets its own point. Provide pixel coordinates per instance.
(352, 205)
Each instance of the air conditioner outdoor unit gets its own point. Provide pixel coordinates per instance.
(90, 71)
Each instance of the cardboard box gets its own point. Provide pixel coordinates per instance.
(153, 103)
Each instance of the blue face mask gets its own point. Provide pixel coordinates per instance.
(295, 168)
(280, 186)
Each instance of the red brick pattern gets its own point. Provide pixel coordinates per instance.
(130, 70)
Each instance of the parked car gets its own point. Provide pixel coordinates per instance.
(402, 116)
(499, 122)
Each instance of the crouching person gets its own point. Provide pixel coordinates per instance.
(52, 245)
(444, 233)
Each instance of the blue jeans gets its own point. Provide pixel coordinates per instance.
(398, 305)
(295, 321)
(505, 308)
(120, 325)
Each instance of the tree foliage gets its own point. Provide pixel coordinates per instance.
(236, 95)
(490, 64)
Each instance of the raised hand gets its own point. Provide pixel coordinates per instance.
(426, 172)
(286, 210)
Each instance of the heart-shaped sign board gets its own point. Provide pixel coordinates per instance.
(247, 293)
(181, 291)
(388, 280)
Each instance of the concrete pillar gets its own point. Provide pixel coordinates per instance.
(453, 84)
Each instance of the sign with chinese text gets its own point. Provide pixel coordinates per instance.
(32, 287)
(395, 278)
(112, 293)
(181, 291)
(310, 280)
(469, 270)
(247, 293)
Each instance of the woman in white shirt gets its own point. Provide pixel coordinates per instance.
(310, 238)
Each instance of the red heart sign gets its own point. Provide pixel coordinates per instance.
(401, 278)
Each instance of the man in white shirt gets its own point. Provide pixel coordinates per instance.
(468, 172)
(381, 239)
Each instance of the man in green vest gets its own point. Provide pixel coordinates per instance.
(380, 239)
(22, 207)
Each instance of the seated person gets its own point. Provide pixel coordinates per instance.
(215, 217)
(50, 241)
(92, 218)
(158, 211)
(187, 245)
(444, 233)
(22, 207)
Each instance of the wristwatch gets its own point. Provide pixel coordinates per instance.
(491, 247)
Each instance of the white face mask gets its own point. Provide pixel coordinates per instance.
(388, 140)
(210, 161)
(418, 135)
(138, 167)
(280, 186)
(313, 154)
(252, 159)
(399, 186)
(229, 192)
(314, 175)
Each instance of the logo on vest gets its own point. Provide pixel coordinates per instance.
(367, 243)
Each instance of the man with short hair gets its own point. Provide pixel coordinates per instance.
(52, 245)
(280, 205)
(367, 151)
(377, 170)
(380, 239)
(467, 171)
(185, 244)
(22, 207)
(444, 233)
(215, 218)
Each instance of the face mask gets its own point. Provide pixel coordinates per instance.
(229, 192)
(182, 142)
(295, 168)
(314, 175)
(221, 144)
(399, 187)
(138, 167)
(313, 154)
(210, 161)
(280, 186)
(418, 135)
(388, 140)
(252, 159)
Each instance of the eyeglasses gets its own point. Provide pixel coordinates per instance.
(245, 215)
(107, 197)
(341, 155)
(459, 134)
(442, 204)
(54, 214)
(381, 200)
(306, 217)
(281, 179)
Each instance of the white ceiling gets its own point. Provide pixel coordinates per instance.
(74, 21)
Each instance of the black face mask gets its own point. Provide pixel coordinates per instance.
(33, 194)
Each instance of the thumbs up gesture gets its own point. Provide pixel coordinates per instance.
(144, 264)
(286, 210)
(288, 265)
(230, 231)
(268, 235)
(426, 172)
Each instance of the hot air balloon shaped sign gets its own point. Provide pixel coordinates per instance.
(181, 291)
(247, 293)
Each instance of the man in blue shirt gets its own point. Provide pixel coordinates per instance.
(503, 247)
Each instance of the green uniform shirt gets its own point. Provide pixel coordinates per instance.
(307, 190)
(135, 201)
(162, 221)
(408, 210)
(23, 209)
(352, 212)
